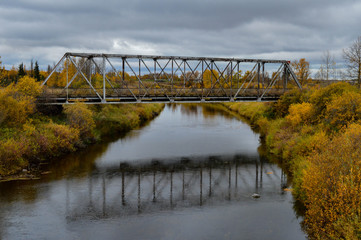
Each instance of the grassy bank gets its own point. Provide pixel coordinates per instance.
(317, 133)
(29, 136)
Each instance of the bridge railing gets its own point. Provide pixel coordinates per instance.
(109, 78)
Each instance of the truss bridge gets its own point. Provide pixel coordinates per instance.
(116, 78)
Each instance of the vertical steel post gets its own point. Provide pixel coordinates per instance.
(237, 75)
(263, 75)
(211, 74)
(172, 78)
(123, 71)
(67, 79)
(139, 78)
(154, 76)
(231, 73)
(90, 71)
(104, 94)
(184, 73)
(202, 85)
(284, 78)
(258, 78)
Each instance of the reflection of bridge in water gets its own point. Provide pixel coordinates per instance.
(167, 186)
(115, 78)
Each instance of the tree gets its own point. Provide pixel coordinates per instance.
(28, 86)
(36, 71)
(352, 56)
(302, 70)
(328, 66)
(32, 68)
(80, 117)
(21, 71)
(2, 73)
(210, 78)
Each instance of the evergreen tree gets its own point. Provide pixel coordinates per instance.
(36, 72)
(21, 71)
(32, 68)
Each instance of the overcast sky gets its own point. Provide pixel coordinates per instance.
(44, 30)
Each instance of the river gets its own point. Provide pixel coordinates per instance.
(191, 173)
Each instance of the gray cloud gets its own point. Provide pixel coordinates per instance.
(44, 30)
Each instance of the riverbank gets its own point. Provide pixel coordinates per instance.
(316, 132)
(31, 135)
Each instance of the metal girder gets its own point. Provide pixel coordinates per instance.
(148, 78)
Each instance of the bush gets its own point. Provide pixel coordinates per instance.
(81, 118)
(332, 186)
(323, 96)
(14, 109)
(343, 110)
(289, 98)
(11, 156)
(300, 113)
(28, 86)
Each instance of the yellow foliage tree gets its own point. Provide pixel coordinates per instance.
(332, 185)
(28, 86)
(210, 78)
(17, 101)
(80, 118)
(300, 113)
(343, 110)
(302, 70)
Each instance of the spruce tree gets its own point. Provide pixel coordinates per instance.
(21, 71)
(36, 71)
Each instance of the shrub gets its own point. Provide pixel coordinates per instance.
(332, 185)
(81, 118)
(323, 96)
(343, 109)
(14, 109)
(300, 113)
(28, 86)
(11, 152)
(287, 99)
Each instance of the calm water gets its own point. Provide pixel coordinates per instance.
(189, 174)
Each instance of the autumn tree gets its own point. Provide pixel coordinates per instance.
(2, 73)
(12, 75)
(328, 66)
(210, 78)
(21, 70)
(36, 71)
(80, 117)
(17, 101)
(31, 68)
(302, 70)
(352, 56)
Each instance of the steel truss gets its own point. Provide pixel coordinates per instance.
(144, 78)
